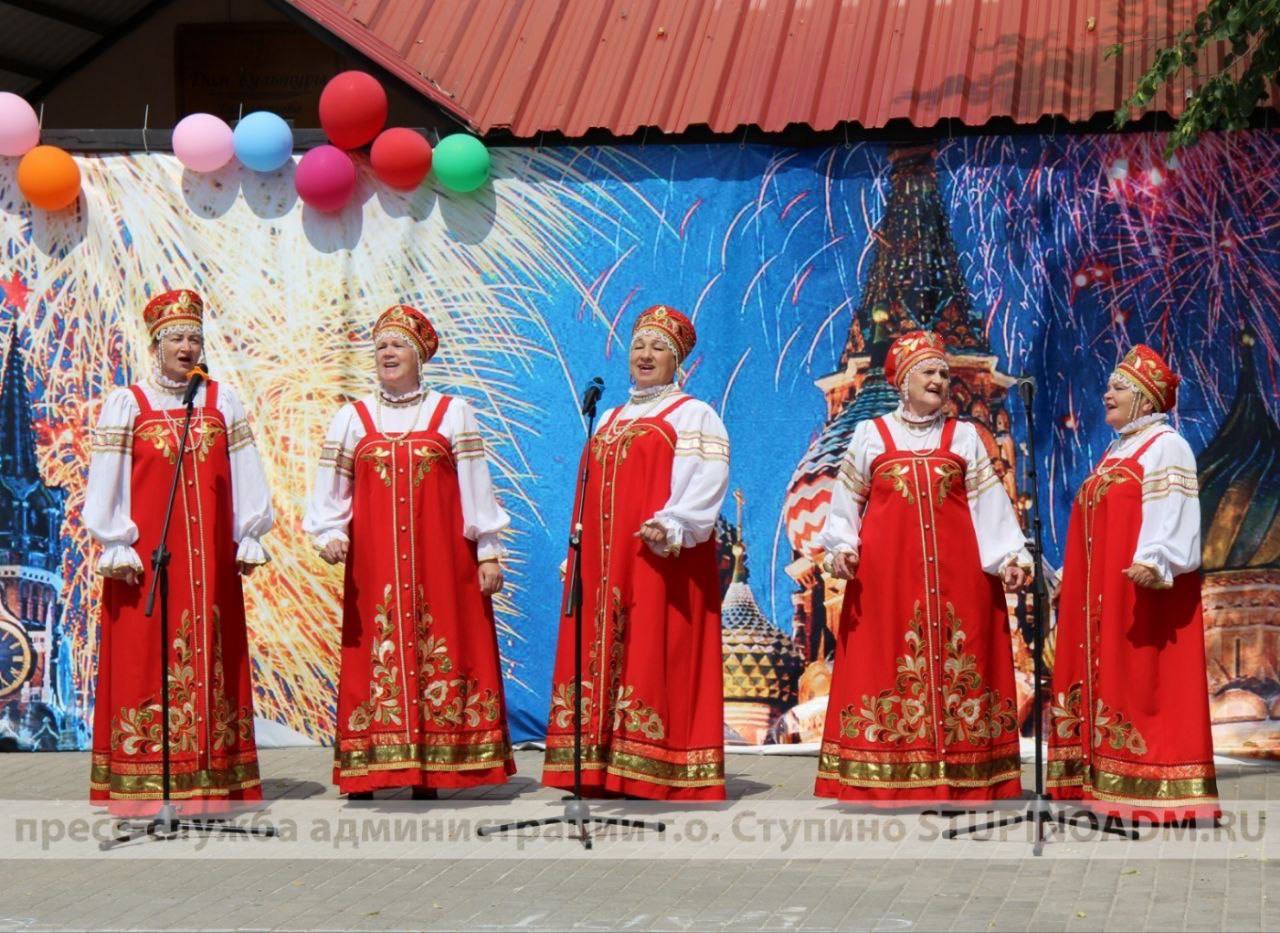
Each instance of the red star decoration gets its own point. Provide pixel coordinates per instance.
(15, 292)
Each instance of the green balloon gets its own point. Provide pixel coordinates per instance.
(461, 162)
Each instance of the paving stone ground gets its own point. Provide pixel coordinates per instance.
(553, 886)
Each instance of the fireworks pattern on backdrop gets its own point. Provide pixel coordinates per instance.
(1080, 246)
(289, 297)
(1072, 248)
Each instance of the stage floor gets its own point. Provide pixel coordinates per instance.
(774, 859)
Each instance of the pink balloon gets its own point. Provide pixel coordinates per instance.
(19, 125)
(203, 143)
(325, 178)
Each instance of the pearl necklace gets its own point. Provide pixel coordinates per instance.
(644, 395)
(404, 399)
(912, 426)
(653, 398)
(377, 418)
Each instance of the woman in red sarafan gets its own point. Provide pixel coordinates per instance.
(403, 496)
(922, 704)
(222, 509)
(652, 705)
(1130, 730)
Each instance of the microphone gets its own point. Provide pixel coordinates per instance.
(1025, 380)
(595, 388)
(194, 381)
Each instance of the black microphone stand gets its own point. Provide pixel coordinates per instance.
(166, 824)
(577, 812)
(1040, 810)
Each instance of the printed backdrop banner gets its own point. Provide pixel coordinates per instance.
(1041, 256)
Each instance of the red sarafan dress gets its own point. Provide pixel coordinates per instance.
(1129, 718)
(420, 699)
(652, 692)
(922, 703)
(213, 755)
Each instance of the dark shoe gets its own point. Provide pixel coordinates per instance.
(361, 795)
(424, 793)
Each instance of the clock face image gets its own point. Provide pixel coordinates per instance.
(16, 657)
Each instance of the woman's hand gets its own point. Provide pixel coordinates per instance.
(1144, 576)
(490, 577)
(654, 535)
(844, 564)
(335, 552)
(1014, 578)
(125, 574)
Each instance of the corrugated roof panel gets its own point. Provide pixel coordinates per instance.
(800, 76)
(571, 66)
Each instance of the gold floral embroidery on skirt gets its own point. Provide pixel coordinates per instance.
(232, 726)
(138, 731)
(899, 714)
(562, 705)
(1109, 725)
(383, 705)
(633, 716)
(971, 712)
(451, 701)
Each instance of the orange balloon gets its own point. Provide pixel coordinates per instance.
(49, 178)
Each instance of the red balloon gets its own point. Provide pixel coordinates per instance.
(401, 158)
(353, 108)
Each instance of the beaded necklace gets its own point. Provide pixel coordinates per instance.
(619, 426)
(918, 428)
(377, 416)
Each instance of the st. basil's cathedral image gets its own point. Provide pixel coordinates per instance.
(776, 684)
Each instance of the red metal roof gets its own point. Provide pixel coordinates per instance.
(531, 66)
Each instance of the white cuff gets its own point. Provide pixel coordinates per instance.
(251, 553)
(322, 540)
(827, 563)
(1020, 559)
(677, 536)
(489, 547)
(117, 556)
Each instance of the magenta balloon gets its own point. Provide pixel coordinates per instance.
(325, 178)
(19, 125)
(203, 143)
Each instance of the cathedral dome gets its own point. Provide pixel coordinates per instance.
(1240, 481)
(761, 662)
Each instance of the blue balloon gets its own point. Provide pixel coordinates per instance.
(263, 141)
